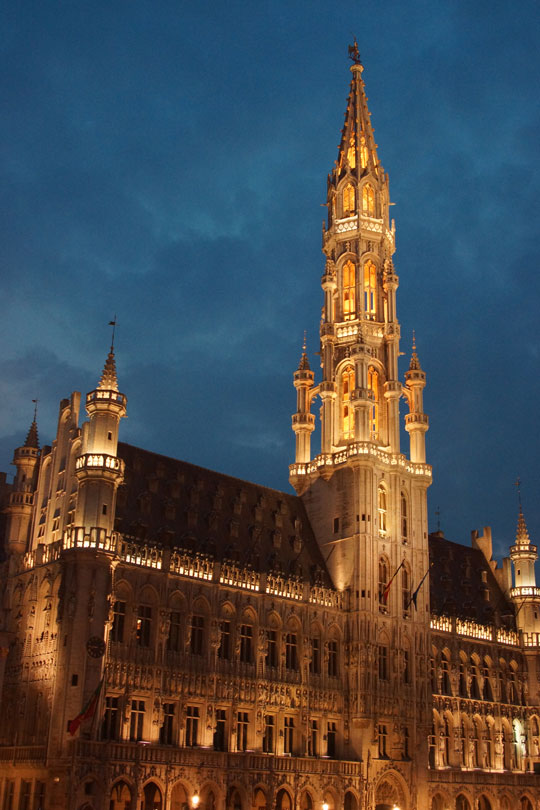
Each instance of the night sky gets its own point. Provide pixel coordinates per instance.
(167, 162)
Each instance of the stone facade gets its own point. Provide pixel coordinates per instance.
(172, 637)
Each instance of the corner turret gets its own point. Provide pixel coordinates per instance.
(21, 499)
(416, 421)
(525, 594)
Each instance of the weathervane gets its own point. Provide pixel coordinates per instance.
(35, 401)
(354, 53)
(113, 324)
(518, 486)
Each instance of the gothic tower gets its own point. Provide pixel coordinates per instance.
(525, 594)
(366, 499)
(21, 499)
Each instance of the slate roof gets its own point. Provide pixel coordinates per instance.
(463, 585)
(166, 502)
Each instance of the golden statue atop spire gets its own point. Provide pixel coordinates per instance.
(354, 53)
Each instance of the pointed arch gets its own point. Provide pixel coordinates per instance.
(373, 386)
(368, 200)
(370, 288)
(348, 384)
(349, 200)
(349, 290)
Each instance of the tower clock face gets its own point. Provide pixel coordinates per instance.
(95, 647)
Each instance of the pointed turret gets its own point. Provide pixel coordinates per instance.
(21, 499)
(525, 594)
(416, 421)
(99, 470)
(303, 422)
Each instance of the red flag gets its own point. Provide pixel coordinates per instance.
(88, 710)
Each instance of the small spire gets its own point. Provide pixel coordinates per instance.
(304, 362)
(109, 380)
(32, 438)
(415, 362)
(522, 533)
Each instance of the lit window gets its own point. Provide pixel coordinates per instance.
(349, 201)
(373, 385)
(144, 625)
(404, 519)
(349, 291)
(382, 509)
(351, 153)
(363, 151)
(368, 200)
(348, 385)
(370, 287)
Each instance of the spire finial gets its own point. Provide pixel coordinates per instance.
(522, 533)
(415, 362)
(354, 53)
(304, 362)
(113, 324)
(35, 401)
(517, 484)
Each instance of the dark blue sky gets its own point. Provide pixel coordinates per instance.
(167, 162)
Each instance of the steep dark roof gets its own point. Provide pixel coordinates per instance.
(458, 586)
(167, 502)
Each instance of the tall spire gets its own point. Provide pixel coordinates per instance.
(415, 362)
(357, 148)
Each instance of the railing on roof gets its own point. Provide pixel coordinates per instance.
(482, 632)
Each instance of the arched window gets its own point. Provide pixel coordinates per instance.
(382, 508)
(349, 200)
(373, 385)
(462, 803)
(404, 518)
(383, 579)
(370, 288)
(349, 291)
(363, 151)
(406, 590)
(368, 200)
(351, 152)
(348, 385)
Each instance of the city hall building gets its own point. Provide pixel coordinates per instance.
(172, 638)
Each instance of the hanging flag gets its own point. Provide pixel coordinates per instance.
(415, 594)
(88, 710)
(387, 588)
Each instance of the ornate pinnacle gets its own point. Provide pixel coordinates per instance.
(522, 533)
(109, 380)
(32, 439)
(304, 362)
(415, 362)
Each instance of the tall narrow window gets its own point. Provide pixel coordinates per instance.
(383, 738)
(373, 385)
(382, 509)
(167, 729)
(406, 591)
(136, 720)
(349, 291)
(271, 649)
(144, 625)
(363, 151)
(174, 641)
(192, 725)
(197, 635)
(331, 736)
(220, 739)
(368, 200)
(348, 385)
(25, 794)
(246, 643)
(241, 731)
(349, 202)
(404, 519)
(268, 738)
(315, 663)
(313, 739)
(333, 659)
(370, 288)
(119, 619)
(288, 735)
(224, 649)
(383, 580)
(383, 662)
(406, 667)
(109, 727)
(39, 796)
(351, 152)
(291, 651)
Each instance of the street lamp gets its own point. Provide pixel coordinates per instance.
(195, 799)
(325, 806)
